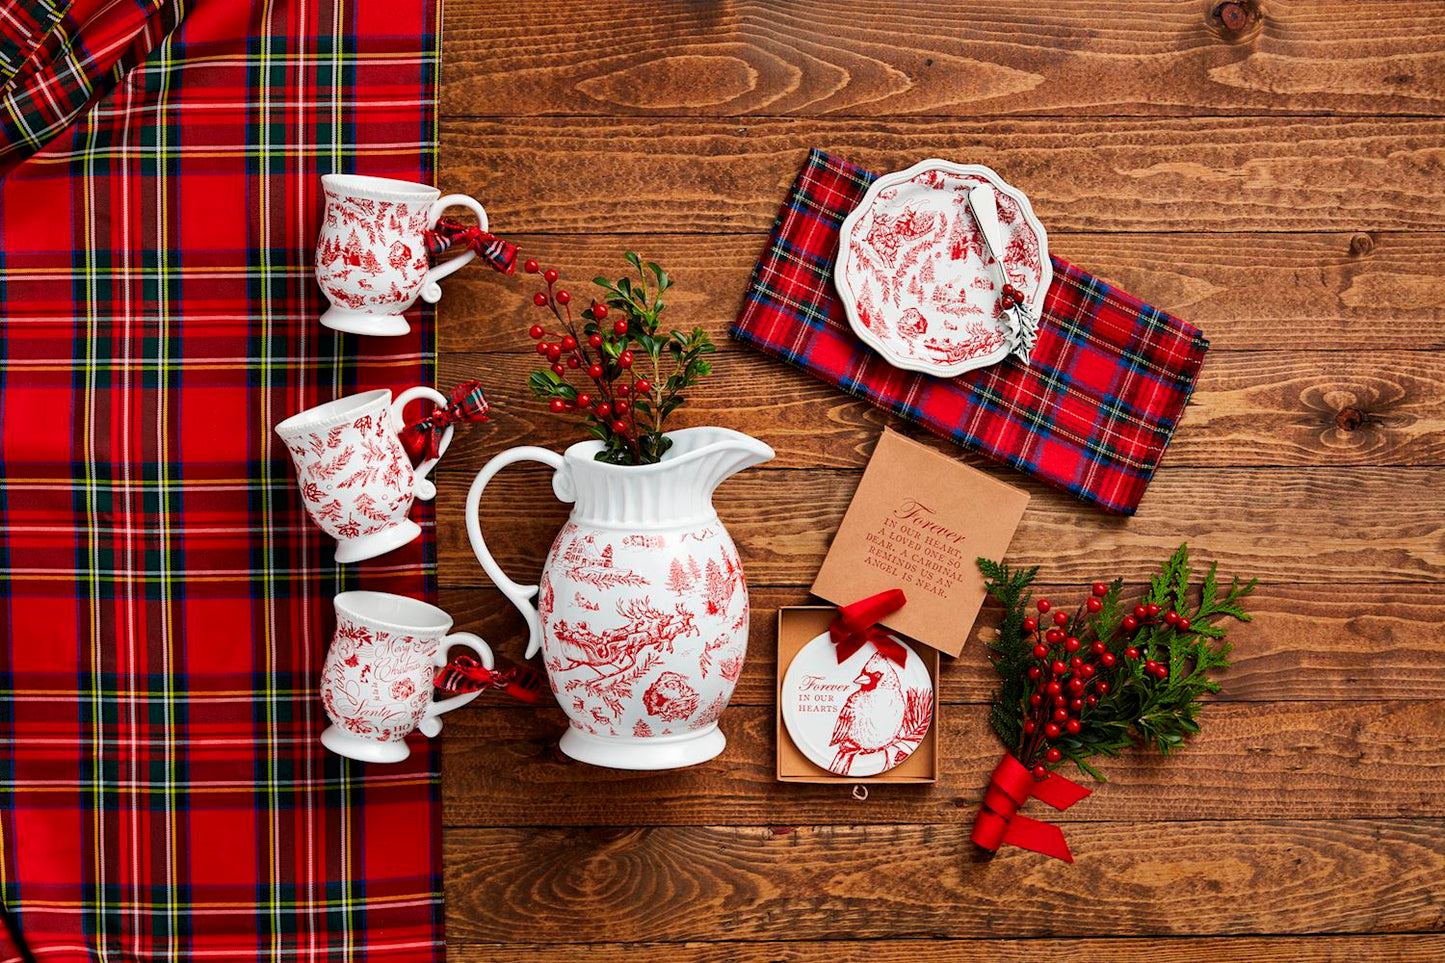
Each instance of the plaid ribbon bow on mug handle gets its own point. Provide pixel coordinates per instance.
(448, 232)
(422, 439)
(466, 674)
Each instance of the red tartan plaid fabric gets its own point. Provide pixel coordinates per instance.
(165, 602)
(1091, 413)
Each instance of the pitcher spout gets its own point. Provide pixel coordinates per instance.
(674, 491)
(720, 452)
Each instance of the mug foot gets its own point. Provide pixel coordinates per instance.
(359, 322)
(644, 753)
(351, 746)
(377, 543)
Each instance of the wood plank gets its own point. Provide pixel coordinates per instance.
(1306, 642)
(1407, 948)
(1293, 408)
(1157, 175)
(1280, 525)
(1347, 291)
(969, 59)
(1249, 877)
(1304, 760)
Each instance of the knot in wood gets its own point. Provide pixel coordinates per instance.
(1361, 244)
(1349, 419)
(1235, 20)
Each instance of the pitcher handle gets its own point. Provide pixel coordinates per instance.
(520, 595)
(424, 489)
(430, 725)
(431, 291)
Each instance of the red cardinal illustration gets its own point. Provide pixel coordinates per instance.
(870, 719)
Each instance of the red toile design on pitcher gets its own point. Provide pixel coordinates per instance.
(643, 624)
(670, 697)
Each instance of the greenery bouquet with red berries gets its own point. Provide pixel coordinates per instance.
(1107, 676)
(612, 365)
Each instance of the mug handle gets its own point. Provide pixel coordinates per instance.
(431, 291)
(430, 725)
(425, 490)
(519, 595)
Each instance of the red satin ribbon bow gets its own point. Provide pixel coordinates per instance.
(423, 439)
(490, 248)
(466, 674)
(857, 624)
(999, 822)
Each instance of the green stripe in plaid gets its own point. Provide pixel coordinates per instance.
(166, 602)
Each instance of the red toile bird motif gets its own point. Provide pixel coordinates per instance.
(871, 718)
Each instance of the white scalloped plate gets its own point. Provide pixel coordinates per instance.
(914, 275)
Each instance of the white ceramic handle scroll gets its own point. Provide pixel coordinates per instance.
(431, 291)
(430, 724)
(424, 489)
(520, 595)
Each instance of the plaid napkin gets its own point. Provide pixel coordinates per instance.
(1091, 413)
(165, 604)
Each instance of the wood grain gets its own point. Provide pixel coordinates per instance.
(1294, 408)
(1076, 58)
(1306, 642)
(1286, 759)
(1279, 186)
(1412, 948)
(1347, 291)
(561, 885)
(1285, 525)
(1159, 175)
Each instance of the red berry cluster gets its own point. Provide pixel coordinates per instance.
(598, 352)
(1012, 296)
(1072, 677)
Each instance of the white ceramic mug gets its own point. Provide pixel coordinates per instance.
(371, 256)
(355, 478)
(376, 684)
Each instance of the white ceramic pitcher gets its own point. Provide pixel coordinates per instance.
(641, 612)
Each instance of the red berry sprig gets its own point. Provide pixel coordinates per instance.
(594, 359)
(1099, 678)
(607, 387)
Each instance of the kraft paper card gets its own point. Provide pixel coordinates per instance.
(918, 522)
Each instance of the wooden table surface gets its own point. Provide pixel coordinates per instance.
(1282, 186)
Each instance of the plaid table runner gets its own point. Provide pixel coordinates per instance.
(165, 602)
(1091, 413)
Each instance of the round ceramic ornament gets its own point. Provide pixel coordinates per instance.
(919, 280)
(861, 716)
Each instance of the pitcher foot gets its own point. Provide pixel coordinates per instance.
(653, 752)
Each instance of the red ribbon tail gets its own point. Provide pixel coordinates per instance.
(866, 612)
(999, 822)
(991, 831)
(1058, 792)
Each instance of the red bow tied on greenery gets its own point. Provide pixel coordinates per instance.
(857, 624)
(999, 822)
(423, 439)
(466, 674)
(490, 248)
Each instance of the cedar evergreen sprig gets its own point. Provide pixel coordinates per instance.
(1126, 678)
(623, 356)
